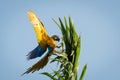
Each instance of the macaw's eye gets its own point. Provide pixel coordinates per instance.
(56, 38)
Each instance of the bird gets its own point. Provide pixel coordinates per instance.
(45, 43)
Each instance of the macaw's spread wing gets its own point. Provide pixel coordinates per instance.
(40, 31)
(42, 37)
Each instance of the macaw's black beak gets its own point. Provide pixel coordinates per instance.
(56, 38)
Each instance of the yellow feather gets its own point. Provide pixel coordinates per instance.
(40, 31)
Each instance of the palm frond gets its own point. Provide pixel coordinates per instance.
(70, 53)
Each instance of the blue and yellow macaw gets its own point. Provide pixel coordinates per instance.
(44, 42)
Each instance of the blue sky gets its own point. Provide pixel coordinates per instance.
(97, 21)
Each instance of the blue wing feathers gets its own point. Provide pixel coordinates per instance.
(37, 52)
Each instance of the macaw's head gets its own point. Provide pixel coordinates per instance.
(56, 38)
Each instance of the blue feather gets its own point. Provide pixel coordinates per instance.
(50, 49)
(37, 52)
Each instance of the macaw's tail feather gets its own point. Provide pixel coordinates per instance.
(37, 52)
(39, 65)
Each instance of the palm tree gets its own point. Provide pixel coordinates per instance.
(68, 57)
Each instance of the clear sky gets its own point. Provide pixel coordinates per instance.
(97, 21)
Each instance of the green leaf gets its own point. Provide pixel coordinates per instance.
(67, 29)
(83, 72)
(49, 75)
(64, 32)
(58, 75)
(62, 26)
(57, 23)
(77, 56)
